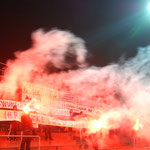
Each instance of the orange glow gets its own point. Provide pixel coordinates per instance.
(27, 109)
(96, 125)
(137, 125)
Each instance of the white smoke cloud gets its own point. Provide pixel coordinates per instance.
(48, 52)
(57, 60)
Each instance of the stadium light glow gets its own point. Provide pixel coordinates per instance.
(148, 7)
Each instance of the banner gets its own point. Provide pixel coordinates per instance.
(10, 115)
(45, 97)
(45, 101)
(39, 91)
(62, 105)
(9, 104)
(69, 105)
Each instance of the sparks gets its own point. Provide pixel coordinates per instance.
(96, 125)
(137, 125)
(26, 108)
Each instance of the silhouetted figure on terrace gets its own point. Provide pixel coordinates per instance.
(27, 128)
(48, 131)
(13, 126)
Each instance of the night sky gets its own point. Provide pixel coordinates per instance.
(110, 28)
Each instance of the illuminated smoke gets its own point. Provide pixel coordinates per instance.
(51, 52)
(120, 93)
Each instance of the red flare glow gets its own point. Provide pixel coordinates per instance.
(27, 109)
(137, 125)
(96, 125)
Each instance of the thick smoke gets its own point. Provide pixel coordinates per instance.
(51, 52)
(120, 92)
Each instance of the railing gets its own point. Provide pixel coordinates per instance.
(21, 136)
(137, 144)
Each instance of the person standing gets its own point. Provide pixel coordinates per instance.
(13, 127)
(48, 134)
(27, 128)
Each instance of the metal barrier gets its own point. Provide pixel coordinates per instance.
(21, 136)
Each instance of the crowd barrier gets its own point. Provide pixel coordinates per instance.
(22, 136)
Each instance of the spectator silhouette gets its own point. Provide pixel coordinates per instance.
(27, 128)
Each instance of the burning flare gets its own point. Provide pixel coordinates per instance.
(96, 125)
(137, 125)
(27, 108)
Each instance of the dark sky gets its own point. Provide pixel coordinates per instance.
(110, 28)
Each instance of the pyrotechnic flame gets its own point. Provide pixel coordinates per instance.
(137, 125)
(27, 108)
(96, 125)
(106, 121)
